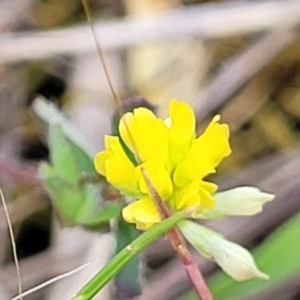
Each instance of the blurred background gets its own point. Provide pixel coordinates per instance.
(240, 59)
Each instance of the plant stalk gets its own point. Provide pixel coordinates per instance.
(178, 242)
(191, 268)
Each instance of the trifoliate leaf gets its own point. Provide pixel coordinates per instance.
(73, 203)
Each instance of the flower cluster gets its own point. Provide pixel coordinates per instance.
(175, 160)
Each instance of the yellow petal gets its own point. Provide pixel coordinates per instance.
(158, 176)
(214, 142)
(116, 166)
(197, 194)
(187, 196)
(143, 213)
(205, 154)
(100, 160)
(182, 130)
(147, 137)
(207, 200)
(208, 186)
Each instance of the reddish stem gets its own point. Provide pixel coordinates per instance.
(178, 242)
(190, 266)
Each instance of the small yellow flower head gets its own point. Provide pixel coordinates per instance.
(176, 161)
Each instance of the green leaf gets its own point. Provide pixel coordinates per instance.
(68, 137)
(278, 256)
(68, 180)
(78, 204)
(118, 262)
(84, 162)
(107, 212)
(73, 203)
(50, 114)
(62, 157)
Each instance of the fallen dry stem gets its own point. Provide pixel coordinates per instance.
(12, 239)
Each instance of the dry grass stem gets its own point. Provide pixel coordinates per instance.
(13, 244)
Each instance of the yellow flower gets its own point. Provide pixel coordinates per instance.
(175, 161)
(114, 164)
(147, 134)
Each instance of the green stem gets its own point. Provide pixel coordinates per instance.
(125, 255)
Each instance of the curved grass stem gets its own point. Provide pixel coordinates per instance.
(125, 255)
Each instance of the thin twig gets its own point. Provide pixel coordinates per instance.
(24, 206)
(101, 54)
(12, 239)
(53, 280)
